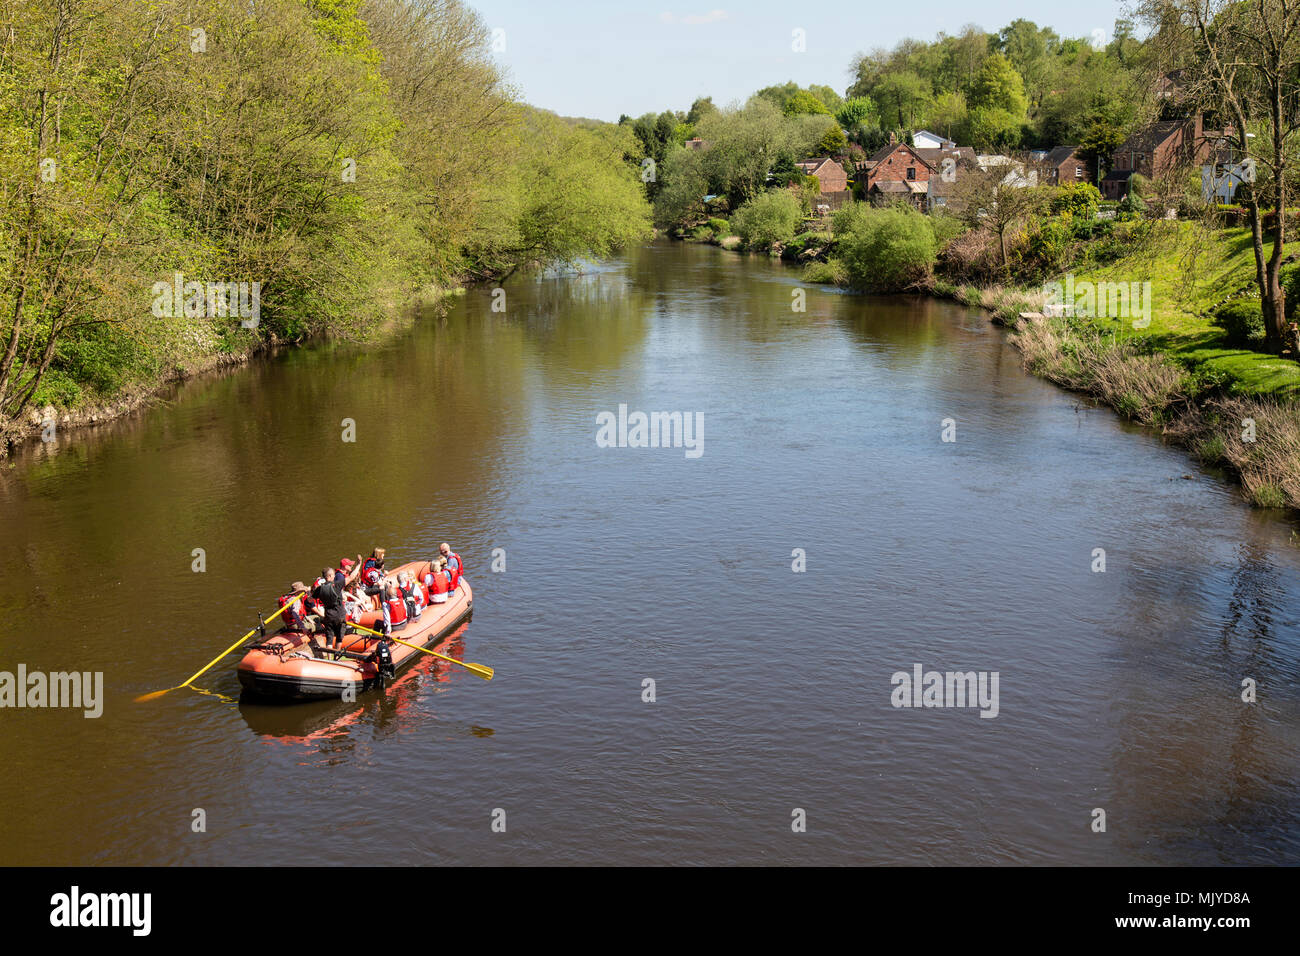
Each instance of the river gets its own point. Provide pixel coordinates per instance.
(1119, 690)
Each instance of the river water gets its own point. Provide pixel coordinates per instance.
(823, 430)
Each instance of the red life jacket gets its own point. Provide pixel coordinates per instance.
(437, 582)
(294, 616)
(396, 611)
(457, 571)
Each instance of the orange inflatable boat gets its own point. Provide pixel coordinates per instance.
(285, 665)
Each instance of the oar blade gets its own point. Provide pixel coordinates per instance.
(482, 670)
(152, 695)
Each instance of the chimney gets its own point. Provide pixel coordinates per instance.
(893, 140)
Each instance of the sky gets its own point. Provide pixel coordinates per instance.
(602, 59)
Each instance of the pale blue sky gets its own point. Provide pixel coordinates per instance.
(600, 59)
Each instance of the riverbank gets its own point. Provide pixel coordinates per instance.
(1231, 408)
(92, 409)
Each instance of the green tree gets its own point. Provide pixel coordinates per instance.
(999, 87)
(902, 97)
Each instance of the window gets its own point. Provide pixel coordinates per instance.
(911, 172)
(1078, 172)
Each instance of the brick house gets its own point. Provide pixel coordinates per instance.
(831, 176)
(1156, 150)
(897, 171)
(1064, 165)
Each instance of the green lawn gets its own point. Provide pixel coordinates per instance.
(1192, 270)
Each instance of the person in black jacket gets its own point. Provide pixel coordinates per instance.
(330, 596)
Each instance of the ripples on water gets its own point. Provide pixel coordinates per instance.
(1119, 690)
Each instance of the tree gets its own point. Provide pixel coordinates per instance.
(902, 97)
(999, 87)
(856, 111)
(1242, 59)
(833, 143)
(989, 199)
(803, 102)
(949, 115)
(701, 108)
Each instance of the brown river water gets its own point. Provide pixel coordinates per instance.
(1117, 690)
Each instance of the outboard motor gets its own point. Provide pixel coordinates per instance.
(384, 661)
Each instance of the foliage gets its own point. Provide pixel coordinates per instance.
(886, 249)
(1242, 321)
(769, 218)
(305, 151)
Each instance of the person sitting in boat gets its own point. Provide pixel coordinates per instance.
(454, 564)
(295, 618)
(411, 593)
(394, 607)
(436, 582)
(372, 568)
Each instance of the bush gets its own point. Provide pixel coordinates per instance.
(720, 227)
(1077, 201)
(768, 218)
(1131, 207)
(831, 272)
(1290, 280)
(848, 215)
(888, 249)
(1242, 321)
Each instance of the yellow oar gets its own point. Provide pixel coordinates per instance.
(159, 693)
(482, 670)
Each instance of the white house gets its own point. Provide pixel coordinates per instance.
(924, 139)
(1015, 174)
(1219, 180)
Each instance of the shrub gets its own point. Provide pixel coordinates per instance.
(1077, 201)
(1131, 207)
(888, 249)
(1290, 280)
(720, 227)
(830, 272)
(768, 218)
(1242, 322)
(847, 216)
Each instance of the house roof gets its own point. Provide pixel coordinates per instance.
(1146, 139)
(1059, 155)
(964, 155)
(911, 187)
(889, 148)
(813, 165)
